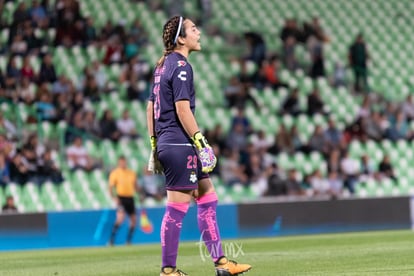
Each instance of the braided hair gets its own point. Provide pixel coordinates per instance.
(172, 29)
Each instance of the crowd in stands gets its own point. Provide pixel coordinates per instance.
(247, 156)
(35, 31)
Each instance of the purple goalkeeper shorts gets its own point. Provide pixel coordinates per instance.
(182, 168)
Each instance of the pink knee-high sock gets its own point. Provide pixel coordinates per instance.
(170, 231)
(207, 223)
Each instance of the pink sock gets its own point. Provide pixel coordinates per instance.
(170, 232)
(207, 223)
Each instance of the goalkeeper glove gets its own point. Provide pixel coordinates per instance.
(154, 165)
(205, 152)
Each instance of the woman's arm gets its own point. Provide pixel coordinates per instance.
(150, 118)
(186, 117)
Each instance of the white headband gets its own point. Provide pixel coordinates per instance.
(178, 30)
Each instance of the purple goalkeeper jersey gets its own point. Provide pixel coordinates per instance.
(172, 82)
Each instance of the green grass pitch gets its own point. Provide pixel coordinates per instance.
(365, 253)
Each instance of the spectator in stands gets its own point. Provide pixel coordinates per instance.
(151, 185)
(18, 46)
(35, 148)
(136, 89)
(291, 103)
(314, 29)
(77, 103)
(281, 142)
(46, 111)
(108, 127)
(47, 71)
(386, 169)
(91, 90)
(31, 155)
(339, 75)
(334, 161)
(367, 170)
(335, 184)
(38, 15)
(255, 172)
(256, 48)
(63, 106)
(407, 107)
(269, 73)
(374, 126)
(67, 13)
(76, 126)
(126, 126)
(27, 70)
(237, 139)
(231, 171)
(293, 185)
(113, 51)
(48, 169)
(4, 171)
(245, 76)
(350, 169)
(34, 43)
(358, 60)
(61, 85)
(21, 170)
(364, 108)
(6, 147)
(78, 157)
(241, 118)
(234, 92)
(245, 80)
(317, 140)
(398, 128)
(135, 67)
(20, 15)
(276, 186)
(319, 184)
(131, 48)
(13, 73)
(100, 75)
(315, 48)
(107, 31)
(9, 207)
(138, 33)
(7, 127)
(315, 103)
(290, 35)
(91, 125)
(297, 143)
(290, 29)
(91, 33)
(333, 135)
(260, 141)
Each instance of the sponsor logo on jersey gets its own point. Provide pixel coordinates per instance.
(181, 63)
(182, 75)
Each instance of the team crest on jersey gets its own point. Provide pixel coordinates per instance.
(193, 177)
(181, 63)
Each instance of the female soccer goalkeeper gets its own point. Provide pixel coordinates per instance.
(181, 151)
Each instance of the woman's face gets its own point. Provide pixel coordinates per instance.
(193, 34)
